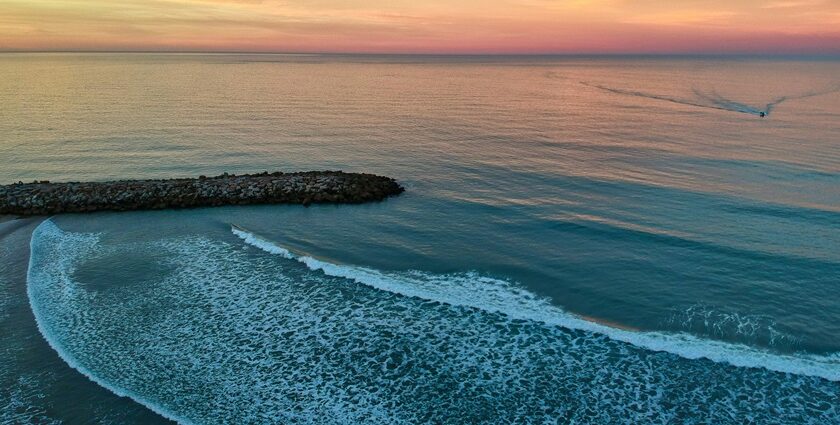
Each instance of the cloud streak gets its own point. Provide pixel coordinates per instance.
(433, 26)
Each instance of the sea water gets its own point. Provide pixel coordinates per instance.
(582, 240)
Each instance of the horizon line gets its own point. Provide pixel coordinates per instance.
(521, 54)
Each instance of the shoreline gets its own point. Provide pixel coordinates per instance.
(304, 188)
(27, 343)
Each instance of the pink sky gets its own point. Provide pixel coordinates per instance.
(433, 26)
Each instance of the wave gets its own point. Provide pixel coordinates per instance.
(472, 290)
(706, 320)
(48, 229)
(240, 336)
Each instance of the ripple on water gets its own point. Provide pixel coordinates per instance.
(247, 336)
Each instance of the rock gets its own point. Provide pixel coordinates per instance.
(43, 197)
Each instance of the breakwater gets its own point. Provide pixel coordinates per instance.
(43, 197)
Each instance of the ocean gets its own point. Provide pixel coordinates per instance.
(588, 240)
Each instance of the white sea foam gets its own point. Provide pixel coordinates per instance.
(495, 295)
(254, 240)
(224, 334)
(22, 402)
(706, 320)
(43, 233)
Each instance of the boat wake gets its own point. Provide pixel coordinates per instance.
(713, 100)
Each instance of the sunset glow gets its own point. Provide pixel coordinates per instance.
(435, 26)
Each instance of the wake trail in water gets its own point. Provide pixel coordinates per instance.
(498, 296)
(826, 91)
(552, 75)
(730, 105)
(713, 100)
(653, 96)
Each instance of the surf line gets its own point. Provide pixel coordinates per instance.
(46, 229)
(535, 309)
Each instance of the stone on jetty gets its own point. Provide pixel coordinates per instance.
(43, 197)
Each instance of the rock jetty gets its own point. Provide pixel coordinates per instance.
(44, 198)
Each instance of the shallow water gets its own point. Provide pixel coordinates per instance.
(698, 240)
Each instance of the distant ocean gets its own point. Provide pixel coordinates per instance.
(582, 240)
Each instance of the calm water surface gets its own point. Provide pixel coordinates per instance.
(582, 240)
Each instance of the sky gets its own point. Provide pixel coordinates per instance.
(430, 26)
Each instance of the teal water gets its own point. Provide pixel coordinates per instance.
(582, 240)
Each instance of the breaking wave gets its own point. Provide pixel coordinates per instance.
(228, 334)
(499, 296)
(85, 243)
(756, 329)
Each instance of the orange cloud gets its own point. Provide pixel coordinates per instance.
(468, 26)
